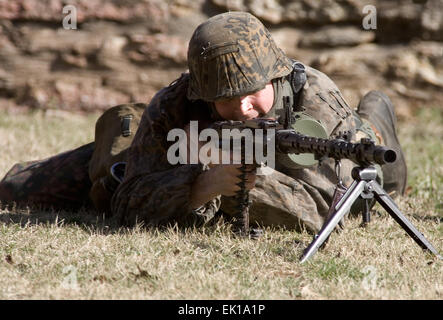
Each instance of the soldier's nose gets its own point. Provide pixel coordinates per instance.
(246, 105)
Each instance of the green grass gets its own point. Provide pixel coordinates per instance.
(61, 255)
(422, 141)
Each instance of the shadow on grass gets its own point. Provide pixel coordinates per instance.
(434, 219)
(92, 221)
(84, 218)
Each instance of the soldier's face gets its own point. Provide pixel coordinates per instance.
(247, 107)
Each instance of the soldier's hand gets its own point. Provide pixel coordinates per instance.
(226, 178)
(223, 156)
(220, 179)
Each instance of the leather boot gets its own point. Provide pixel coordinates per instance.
(377, 108)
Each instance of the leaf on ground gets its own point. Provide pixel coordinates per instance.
(143, 274)
(8, 259)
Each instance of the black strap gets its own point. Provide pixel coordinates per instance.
(297, 79)
(126, 125)
(288, 118)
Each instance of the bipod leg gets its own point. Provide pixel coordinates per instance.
(367, 196)
(366, 213)
(389, 205)
(342, 207)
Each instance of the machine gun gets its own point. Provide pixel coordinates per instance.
(291, 143)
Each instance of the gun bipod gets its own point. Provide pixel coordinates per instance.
(365, 186)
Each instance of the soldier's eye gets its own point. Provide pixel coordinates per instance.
(226, 100)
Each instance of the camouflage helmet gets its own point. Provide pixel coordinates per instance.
(233, 54)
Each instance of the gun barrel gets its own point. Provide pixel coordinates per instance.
(363, 153)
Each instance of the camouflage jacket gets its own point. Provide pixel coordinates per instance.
(157, 193)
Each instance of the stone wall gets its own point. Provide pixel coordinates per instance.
(125, 51)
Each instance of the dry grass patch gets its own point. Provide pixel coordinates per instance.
(62, 255)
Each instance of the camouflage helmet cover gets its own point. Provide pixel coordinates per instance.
(233, 54)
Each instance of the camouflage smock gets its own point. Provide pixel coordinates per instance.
(156, 193)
